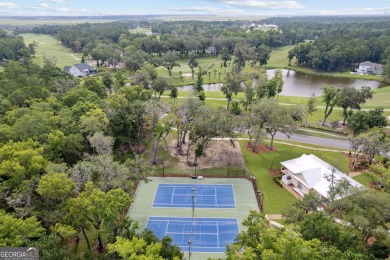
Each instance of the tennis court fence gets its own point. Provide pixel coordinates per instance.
(229, 172)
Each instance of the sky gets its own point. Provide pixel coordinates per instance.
(180, 7)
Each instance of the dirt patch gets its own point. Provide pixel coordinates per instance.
(187, 74)
(260, 148)
(218, 155)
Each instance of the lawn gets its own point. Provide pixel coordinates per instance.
(381, 98)
(49, 46)
(279, 58)
(276, 198)
(364, 179)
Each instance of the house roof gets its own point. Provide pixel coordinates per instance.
(371, 64)
(67, 68)
(83, 66)
(315, 173)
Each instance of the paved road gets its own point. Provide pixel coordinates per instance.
(315, 140)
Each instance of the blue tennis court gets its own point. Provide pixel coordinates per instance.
(203, 196)
(205, 234)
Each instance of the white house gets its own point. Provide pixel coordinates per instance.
(368, 67)
(80, 70)
(309, 173)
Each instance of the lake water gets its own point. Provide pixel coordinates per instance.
(304, 85)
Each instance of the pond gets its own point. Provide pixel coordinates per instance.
(304, 85)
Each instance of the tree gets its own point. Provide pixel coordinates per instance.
(278, 81)
(154, 111)
(280, 120)
(174, 93)
(259, 241)
(185, 116)
(370, 144)
(249, 96)
(268, 88)
(231, 86)
(94, 84)
(331, 98)
(101, 144)
(51, 247)
(107, 81)
(169, 61)
(260, 114)
(34, 125)
(311, 106)
(55, 186)
(263, 53)
(366, 211)
(16, 232)
(159, 86)
(92, 207)
(134, 60)
(208, 124)
(296, 212)
(192, 63)
(242, 53)
(145, 246)
(381, 176)
(225, 55)
(351, 98)
(120, 79)
(323, 227)
(358, 122)
(387, 68)
(93, 121)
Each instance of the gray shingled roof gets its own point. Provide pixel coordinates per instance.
(371, 64)
(83, 66)
(67, 68)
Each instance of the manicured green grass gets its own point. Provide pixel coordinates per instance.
(364, 179)
(49, 46)
(276, 198)
(278, 58)
(381, 98)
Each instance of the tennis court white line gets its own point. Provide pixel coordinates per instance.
(173, 194)
(190, 222)
(192, 185)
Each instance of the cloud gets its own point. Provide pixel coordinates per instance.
(193, 9)
(58, 1)
(261, 4)
(64, 10)
(8, 5)
(42, 6)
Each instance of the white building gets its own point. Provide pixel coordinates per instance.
(309, 173)
(80, 70)
(368, 67)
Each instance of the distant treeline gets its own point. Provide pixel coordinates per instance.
(323, 43)
(338, 43)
